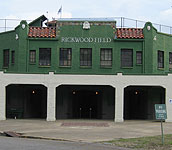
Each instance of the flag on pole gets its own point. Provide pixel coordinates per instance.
(60, 10)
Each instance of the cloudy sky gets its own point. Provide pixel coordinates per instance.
(157, 11)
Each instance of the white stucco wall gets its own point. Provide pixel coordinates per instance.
(119, 82)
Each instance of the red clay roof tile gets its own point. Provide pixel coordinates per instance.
(130, 33)
(42, 32)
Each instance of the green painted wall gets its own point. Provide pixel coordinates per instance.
(93, 32)
(22, 49)
(128, 44)
(163, 42)
(35, 45)
(149, 47)
(155, 41)
(8, 41)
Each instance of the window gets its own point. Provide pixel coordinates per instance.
(106, 57)
(32, 56)
(138, 57)
(12, 57)
(170, 60)
(126, 58)
(6, 58)
(45, 56)
(160, 59)
(85, 57)
(65, 56)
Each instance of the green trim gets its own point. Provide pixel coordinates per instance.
(6, 32)
(86, 67)
(124, 74)
(32, 63)
(162, 69)
(164, 33)
(134, 40)
(106, 67)
(147, 74)
(127, 67)
(86, 19)
(44, 66)
(65, 66)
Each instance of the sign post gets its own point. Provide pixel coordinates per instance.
(161, 114)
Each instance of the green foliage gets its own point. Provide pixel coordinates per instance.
(145, 143)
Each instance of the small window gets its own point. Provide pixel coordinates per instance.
(85, 57)
(106, 57)
(6, 58)
(138, 57)
(45, 56)
(126, 58)
(65, 56)
(160, 59)
(170, 60)
(12, 57)
(32, 56)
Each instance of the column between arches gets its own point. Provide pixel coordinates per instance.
(119, 104)
(51, 102)
(2, 102)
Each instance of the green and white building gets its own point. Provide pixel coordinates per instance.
(84, 69)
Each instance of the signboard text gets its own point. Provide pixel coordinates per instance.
(160, 111)
(86, 39)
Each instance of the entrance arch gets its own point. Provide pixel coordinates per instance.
(26, 101)
(85, 102)
(139, 101)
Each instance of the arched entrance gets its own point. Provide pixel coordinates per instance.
(139, 101)
(26, 101)
(85, 102)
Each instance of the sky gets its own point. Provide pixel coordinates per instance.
(156, 11)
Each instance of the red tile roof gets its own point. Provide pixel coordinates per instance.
(42, 32)
(130, 33)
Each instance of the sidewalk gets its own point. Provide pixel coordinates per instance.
(84, 130)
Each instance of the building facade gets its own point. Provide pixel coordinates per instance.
(84, 69)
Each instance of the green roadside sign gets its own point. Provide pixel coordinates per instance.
(161, 114)
(160, 111)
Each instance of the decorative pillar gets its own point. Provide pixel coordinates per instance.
(51, 103)
(119, 104)
(3, 102)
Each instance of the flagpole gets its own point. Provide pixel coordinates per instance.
(60, 12)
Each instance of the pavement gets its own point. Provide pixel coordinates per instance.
(84, 130)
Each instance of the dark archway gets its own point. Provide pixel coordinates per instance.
(85, 102)
(139, 101)
(26, 101)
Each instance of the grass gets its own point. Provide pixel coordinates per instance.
(145, 143)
